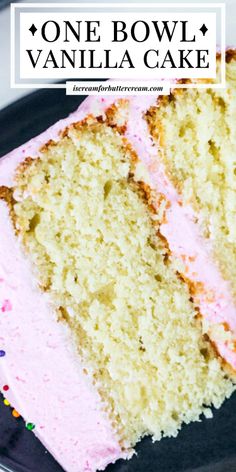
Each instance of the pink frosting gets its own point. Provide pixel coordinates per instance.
(44, 373)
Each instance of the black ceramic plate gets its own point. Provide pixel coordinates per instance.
(207, 446)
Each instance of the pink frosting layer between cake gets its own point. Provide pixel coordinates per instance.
(68, 413)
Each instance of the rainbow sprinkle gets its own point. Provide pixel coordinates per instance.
(30, 426)
(2, 353)
(6, 402)
(15, 413)
(7, 306)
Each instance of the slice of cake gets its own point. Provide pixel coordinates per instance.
(195, 134)
(103, 335)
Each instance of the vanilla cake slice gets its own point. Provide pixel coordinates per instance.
(117, 321)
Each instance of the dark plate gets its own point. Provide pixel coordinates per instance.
(209, 446)
(5, 3)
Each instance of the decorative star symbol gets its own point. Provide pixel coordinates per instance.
(203, 29)
(33, 29)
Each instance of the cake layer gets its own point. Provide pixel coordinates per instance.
(195, 134)
(46, 379)
(211, 292)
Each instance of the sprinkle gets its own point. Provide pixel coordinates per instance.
(2, 353)
(15, 413)
(30, 426)
(6, 402)
(5, 388)
(7, 306)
